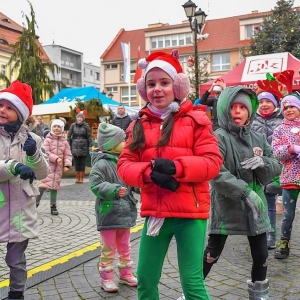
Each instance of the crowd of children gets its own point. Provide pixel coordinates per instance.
(224, 179)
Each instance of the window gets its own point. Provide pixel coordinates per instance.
(125, 95)
(220, 62)
(250, 30)
(112, 89)
(111, 67)
(3, 70)
(4, 42)
(171, 40)
(97, 75)
(91, 72)
(84, 72)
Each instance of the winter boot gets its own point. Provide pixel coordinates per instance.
(54, 210)
(81, 175)
(283, 249)
(259, 290)
(125, 274)
(15, 295)
(107, 280)
(77, 177)
(181, 297)
(271, 240)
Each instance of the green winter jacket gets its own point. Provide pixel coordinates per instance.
(230, 215)
(112, 212)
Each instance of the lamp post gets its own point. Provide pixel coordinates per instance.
(110, 95)
(104, 93)
(197, 20)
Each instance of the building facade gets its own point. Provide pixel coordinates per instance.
(226, 46)
(91, 75)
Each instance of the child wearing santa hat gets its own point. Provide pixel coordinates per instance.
(286, 146)
(238, 204)
(266, 119)
(22, 159)
(60, 160)
(171, 154)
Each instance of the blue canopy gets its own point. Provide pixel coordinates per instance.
(80, 93)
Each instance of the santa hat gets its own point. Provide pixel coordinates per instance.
(217, 88)
(170, 64)
(109, 136)
(19, 95)
(290, 100)
(268, 96)
(244, 98)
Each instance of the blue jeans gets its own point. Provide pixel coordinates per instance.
(271, 200)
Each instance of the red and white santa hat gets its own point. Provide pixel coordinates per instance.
(171, 65)
(19, 95)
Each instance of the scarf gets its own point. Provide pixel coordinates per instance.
(12, 127)
(154, 224)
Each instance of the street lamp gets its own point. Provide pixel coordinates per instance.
(197, 20)
(104, 93)
(110, 95)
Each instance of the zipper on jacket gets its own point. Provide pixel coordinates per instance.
(195, 195)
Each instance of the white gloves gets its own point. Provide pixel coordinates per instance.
(253, 163)
(255, 203)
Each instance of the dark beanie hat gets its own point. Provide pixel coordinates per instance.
(244, 98)
(80, 115)
(109, 136)
(46, 131)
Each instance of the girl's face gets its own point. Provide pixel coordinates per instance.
(56, 129)
(239, 114)
(159, 88)
(291, 113)
(79, 120)
(266, 106)
(8, 113)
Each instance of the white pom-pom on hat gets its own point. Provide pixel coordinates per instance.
(142, 63)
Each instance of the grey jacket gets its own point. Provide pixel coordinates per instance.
(18, 213)
(229, 212)
(111, 211)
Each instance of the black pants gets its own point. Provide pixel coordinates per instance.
(259, 253)
(79, 163)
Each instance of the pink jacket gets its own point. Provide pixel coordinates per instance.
(56, 147)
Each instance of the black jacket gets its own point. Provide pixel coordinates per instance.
(212, 102)
(80, 138)
(122, 122)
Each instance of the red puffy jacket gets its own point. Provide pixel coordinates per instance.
(194, 150)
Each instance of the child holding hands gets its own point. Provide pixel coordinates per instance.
(60, 160)
(22, 159)
(116, 210)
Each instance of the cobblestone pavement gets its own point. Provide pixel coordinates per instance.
(63, 262)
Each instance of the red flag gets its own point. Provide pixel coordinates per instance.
(138, 71)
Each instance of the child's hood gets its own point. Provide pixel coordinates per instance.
(225, 102)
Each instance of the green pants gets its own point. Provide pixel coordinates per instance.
(190, 237)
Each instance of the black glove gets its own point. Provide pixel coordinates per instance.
(163, 165)
(25, 172)
(29, 146)
(164, 181)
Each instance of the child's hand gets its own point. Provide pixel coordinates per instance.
(122, 192)
(66, 169)
(59, 161)
(29, 145)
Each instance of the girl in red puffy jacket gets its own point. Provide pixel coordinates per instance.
(171, 154)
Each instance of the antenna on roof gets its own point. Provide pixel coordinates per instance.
(53, 39)
(208, 8)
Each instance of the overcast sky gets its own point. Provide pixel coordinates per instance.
(89, 26)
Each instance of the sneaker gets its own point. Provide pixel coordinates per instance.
(181, 297)
(54, 210)
(271, 240)
(283, 249)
